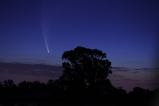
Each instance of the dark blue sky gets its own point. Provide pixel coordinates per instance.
(125, 29)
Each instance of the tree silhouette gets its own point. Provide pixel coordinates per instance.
(9, 83)
(84, 67)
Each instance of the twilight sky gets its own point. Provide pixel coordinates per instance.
(125, 29)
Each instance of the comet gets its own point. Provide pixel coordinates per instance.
(46, 43)
(45, 27)
(45, 33)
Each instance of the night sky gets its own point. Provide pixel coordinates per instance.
(39, 31)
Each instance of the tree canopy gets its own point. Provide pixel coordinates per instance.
(85, 66)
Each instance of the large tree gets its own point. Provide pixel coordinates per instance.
(85, 66)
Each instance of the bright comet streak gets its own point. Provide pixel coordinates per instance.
(46, 43)
(45, 28)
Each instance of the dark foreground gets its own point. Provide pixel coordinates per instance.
(40, 94)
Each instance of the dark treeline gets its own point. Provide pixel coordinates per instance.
(52, 93)
(84, 81)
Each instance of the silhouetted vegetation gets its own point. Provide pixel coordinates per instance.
(84, 81)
